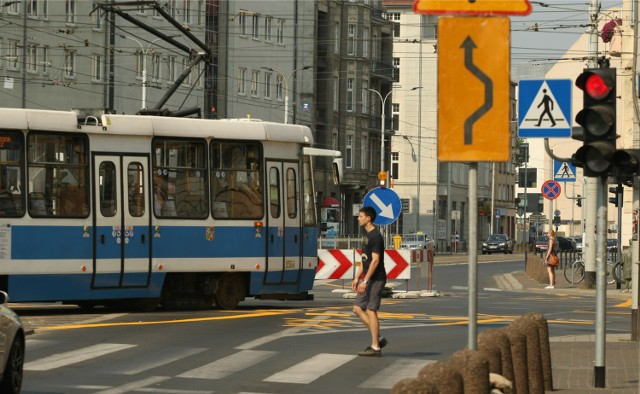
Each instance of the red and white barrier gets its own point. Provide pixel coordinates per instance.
(341, 263)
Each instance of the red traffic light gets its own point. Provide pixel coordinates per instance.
(597, 83)
(596, 87)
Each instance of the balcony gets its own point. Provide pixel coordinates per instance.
(384, 70)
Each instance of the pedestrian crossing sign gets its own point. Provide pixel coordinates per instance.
(563, 171)
(544, 108)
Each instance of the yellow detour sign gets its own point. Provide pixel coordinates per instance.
(473, 7)
(473, 89)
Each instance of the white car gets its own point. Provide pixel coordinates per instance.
(12, 346)
(418, 240)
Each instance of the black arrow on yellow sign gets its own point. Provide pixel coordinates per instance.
(469, 46)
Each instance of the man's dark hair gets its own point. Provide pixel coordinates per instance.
(369, 211)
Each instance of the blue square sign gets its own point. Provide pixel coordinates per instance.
(544, 108)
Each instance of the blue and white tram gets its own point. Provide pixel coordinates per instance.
(154, 210)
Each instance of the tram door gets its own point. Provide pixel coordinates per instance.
(121, 212)
(284, 228)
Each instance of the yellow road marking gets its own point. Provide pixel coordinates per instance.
(625, 304)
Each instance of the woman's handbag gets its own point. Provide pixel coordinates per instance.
(553, 260)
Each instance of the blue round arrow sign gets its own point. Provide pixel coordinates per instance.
(387, 204)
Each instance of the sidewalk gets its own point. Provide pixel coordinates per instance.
(572, 357)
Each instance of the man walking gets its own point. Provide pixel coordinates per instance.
(370, 288)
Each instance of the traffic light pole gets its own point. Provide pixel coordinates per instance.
(601, 283)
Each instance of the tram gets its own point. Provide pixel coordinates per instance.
(149, 211)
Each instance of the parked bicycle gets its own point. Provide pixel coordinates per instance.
(574, 273)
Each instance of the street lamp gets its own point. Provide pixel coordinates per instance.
(418, 179)
(286, 88)
(144, 65)
(383, 102)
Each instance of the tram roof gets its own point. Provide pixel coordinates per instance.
(250, 129)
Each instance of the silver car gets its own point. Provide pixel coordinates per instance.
(12, 346)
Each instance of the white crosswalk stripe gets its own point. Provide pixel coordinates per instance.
(228, 365)
(311, 369)
(152, 360)
(75, 356)
(398, 370)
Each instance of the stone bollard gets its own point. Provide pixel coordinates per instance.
(545, 349)
(414, 386)
(529, 327)
(442, 376)
(518, 342)
(496, 340)
(474, 369)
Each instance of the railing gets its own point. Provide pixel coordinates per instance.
(383, 70)
(567, 257)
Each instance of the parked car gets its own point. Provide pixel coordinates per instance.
(419, 240)
(12, 346)
(497, 243)
(578, 242)
(564, 244)
(612, 244)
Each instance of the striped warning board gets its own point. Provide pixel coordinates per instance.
(343, 263)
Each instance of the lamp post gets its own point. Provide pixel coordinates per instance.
(286, 88)
(383, 102)
(144, 66)
(419, 89)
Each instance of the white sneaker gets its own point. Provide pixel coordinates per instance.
(550, 287)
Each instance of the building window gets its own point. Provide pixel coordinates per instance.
(96, 68)
(200, 11)
(429, 27)
(364, 146)
(186, 11)
(32, 8)
(255, 75)
(242, 78)
(279, 87)
(96, 17)
(365, 97)
(350, 95)
(185, 66)
(395, 17)
(156, 62)
(395, 164)
(336, 89)
(172, 8)
(141, 9)
(351, 40)
(268, 21)
(46, 63)
(70, 64)
(32, 58)
(1, 49)
(45, 9)
(365, 42)
(336, 38)
(171, 69)
(396, 68)
(12, 55)
(70, 11)
(395, 109)
(255, 26)
(13, 7)
(280, 32)
(242, 23)
(267, 85)
(334, 141)
(349, 155)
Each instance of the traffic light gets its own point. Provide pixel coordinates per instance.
(617, 198)
(598, 121)
(626, 164)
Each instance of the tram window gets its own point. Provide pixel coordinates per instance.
(180, 187)
(107, 181)
(307, 189)
(135, 182)
(236, 180)
(292, 195)
(11, 174)
(274, 192)
(58, 172)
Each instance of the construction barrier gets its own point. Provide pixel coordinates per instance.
(343, 263)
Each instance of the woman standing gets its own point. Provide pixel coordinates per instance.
(552, 249)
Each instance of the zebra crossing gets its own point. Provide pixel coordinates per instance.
(192, 363)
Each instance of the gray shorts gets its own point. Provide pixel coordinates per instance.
(371, 298)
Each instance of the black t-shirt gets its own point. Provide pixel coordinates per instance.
(373, 243)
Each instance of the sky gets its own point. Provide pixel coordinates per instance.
(542, 38)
